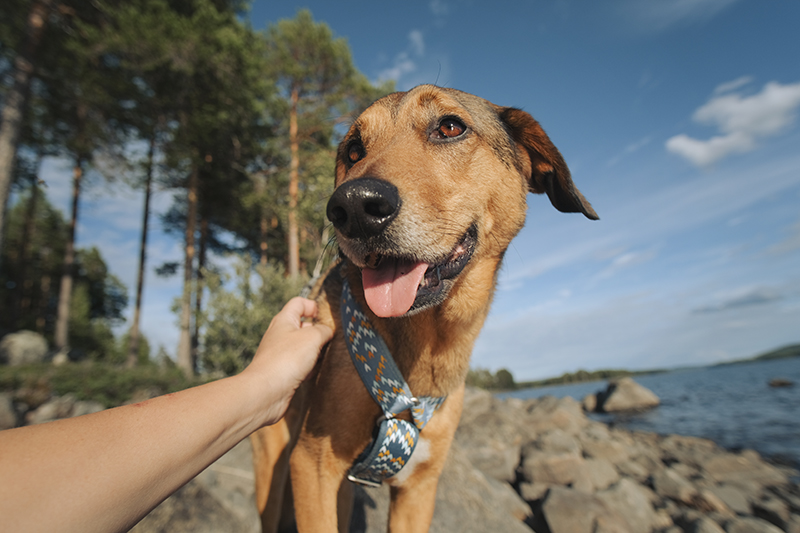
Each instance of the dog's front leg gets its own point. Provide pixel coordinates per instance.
(317, 475)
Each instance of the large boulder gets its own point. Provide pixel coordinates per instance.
(23, 348)
(625, 395)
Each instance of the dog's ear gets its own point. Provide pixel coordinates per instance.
(548, 171)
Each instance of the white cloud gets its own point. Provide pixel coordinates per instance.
(659, 15)
(417, 42)
(741, 121)
(733, 85)
(439, 7)
(405, 62)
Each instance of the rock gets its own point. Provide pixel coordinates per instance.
(670, 484)
(567, 510)
(57, 407)
(631, 501)
(599, 474)
(23, 348)
(551, 468)
(62, 407)
(741, 469)
(8, 415)
(750, 525)
(773, 511)
(733, 497)
(190, 510)
(705, 525)
(589, 403)
(692, 451)
(707, 501)
(466, 500)
(626, 395)
(548, 413)
(490, 435)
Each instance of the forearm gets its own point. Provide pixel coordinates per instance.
(103, 472)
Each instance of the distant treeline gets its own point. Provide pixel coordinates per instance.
(792, 350)
(504, 380)
(581, 376)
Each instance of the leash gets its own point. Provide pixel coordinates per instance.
(395, 439)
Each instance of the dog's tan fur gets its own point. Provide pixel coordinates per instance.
(480, 179)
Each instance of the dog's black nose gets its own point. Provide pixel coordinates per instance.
(363, 207)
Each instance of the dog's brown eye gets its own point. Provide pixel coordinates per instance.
(449, 128)
(355, 152)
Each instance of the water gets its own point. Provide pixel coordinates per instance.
(732, 405)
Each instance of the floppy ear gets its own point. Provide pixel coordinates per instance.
(548, 171)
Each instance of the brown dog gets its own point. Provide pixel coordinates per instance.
(430, 189)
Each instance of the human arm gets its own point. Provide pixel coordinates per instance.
(105, 471)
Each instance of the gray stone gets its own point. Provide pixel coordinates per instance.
(599, 474)
(750, 525)
(86, 408)
(8, 415)
(668, 483)
(552, 469)
(773, 511)
(589, 403)
(626, 395)
(733, 497)
(548, 413)
(491, 434)
(571, 511)
(743, 469)
(692, 451)
(466, 500)
(631, 501)
(705, 525)
(23, 348)
(56, 408)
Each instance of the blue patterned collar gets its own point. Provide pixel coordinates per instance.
(396, 439)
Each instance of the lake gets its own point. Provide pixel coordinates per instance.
(733, 405)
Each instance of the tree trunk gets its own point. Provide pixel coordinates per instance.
(15, 101)
(198, 297)
(294, 177)
(26, 280)
(185, 361)
(133, 336)
(65, 290)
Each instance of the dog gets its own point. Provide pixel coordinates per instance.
(430, 188)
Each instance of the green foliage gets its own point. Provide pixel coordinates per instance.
(238, 312)
(32, 260)
(108, 384)
(484, 379)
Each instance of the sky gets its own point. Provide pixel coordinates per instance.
(678, 119)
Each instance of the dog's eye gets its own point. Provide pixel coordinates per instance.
(355, 152)
(449, 128)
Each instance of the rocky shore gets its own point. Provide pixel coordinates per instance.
(519, 466)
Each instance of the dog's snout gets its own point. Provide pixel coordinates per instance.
(363, 207)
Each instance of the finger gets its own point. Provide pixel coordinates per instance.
(296, 309)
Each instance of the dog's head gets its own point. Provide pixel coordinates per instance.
(432, 182)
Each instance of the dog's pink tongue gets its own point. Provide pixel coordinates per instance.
(391, 288)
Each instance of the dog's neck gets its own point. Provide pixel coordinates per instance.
(432, 348)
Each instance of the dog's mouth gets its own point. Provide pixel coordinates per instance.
(396, 286)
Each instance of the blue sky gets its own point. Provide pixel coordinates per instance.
(678, 119)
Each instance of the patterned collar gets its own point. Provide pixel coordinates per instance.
(396, 439)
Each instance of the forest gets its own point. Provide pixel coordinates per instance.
(241, 125)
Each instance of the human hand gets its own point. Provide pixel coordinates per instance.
(287, 354)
